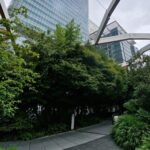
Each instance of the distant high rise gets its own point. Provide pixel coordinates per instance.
(45, 14)
(92, 27)
(119, 51)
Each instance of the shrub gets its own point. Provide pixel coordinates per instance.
(57, 128)
(131, 106)
(142, 92)
(18, 129)
(9, 148)
(145, 145)
(143, 115)
(83, 121)
(25, 136)
(129, 132)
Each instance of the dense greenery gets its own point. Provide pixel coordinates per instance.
(145, 145)
(49, 76)
(139, 81)
(131, 130)
(9, 148)
(45, 77)
(83, 121)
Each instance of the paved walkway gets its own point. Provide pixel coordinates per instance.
(104, 143)
(95, 137)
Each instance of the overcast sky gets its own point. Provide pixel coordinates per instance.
(133, 15)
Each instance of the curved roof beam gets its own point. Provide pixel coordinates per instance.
(3, 10)
(123, 37)
(105, 20)
(144, 49)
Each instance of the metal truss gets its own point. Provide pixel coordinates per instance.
(105, 19)
(123, 37)
(3, 10)
(144, 49)
(96, 38)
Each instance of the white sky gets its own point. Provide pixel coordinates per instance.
(133, 15)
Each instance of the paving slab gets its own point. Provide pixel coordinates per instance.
(63, 143)
(51, 145)
(103, 128)
(89, 138)
(36, 145)
(105, 143)
(23, 145)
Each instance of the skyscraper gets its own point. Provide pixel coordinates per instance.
(45, 14)
(120, 51)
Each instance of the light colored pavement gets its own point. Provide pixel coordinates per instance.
(65, 140)
(104, 143)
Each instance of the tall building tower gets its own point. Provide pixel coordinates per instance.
(45, 14)
(121, 51)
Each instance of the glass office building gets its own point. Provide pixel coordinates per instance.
(45, 14)
(120, 51)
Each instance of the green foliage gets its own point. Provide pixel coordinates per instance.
(14, 12)
(57, 128)
(139, 81)
(25, 136)
(9, 148)
(56, 71)
(145, 145)
(18, 124)
(88, 72)
(83, 121)
(14, 77)
(131, 106)
(142, 92)
(17, 128)
(67, 37)
(129, 132)
(143, 115)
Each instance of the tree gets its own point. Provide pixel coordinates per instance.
(59, 73)
(139, 80)
(73, 74)
(16, 77)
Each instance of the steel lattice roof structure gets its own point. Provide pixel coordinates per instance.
(3, 15)
(3, 10)
(98, 39)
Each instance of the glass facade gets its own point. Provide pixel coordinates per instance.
(45, 14)
(120, 51)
